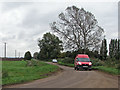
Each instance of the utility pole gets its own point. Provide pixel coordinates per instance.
(5, 50)
(19, 54)
(15, 53)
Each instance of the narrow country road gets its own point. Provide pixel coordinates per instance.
(69, 78)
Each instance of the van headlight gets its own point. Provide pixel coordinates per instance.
(90, 63)
(79, 63)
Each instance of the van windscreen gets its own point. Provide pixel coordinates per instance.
(83, 59)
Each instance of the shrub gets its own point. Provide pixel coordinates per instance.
(117, 66)
(35, 55)
(112, 62)
(32, 63)
(29, 63)
(68, 60)
(35, 63)
(97, 62)
(27, 56)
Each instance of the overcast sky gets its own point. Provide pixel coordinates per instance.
(21, 24)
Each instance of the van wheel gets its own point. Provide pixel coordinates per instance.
(90, 69)
(78, 69)
(74, 68)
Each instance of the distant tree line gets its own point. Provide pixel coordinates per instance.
(72, 54)
(53, 47)
(114, 51)
(114, 48)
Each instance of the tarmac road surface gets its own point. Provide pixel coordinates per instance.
(69, 78)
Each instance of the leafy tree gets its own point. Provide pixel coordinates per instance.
(116, 48)
(111, 48)
(96, 54)
(103, 50)
(118, 55)
(35, 55)
(62, 55)
(50, 46)
(78, 28)
(68, 60)
(27, 56)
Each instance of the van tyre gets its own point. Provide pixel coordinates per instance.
(74, 68)
(90, 69)
(78, 69)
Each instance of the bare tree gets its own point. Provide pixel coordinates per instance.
(78, 28)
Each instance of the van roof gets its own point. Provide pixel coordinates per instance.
(82, 56)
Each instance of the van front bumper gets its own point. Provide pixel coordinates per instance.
(84, 66)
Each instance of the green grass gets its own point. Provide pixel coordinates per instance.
(66, 64)
(110, 70)
(21, 71)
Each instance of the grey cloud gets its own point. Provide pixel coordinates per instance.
(6, 6)
(9, 37)
(34, 18)
(31, 19)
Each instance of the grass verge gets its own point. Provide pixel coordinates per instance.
(109, 70)
(66, 64)
(21, 71)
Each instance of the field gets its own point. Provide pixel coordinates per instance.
(22, 71)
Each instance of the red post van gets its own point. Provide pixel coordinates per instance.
(82, 61)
